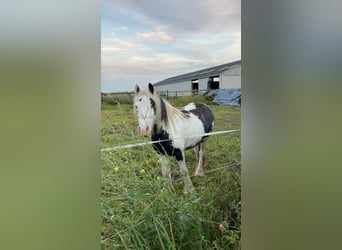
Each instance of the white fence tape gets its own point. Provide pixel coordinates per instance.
(152, 142)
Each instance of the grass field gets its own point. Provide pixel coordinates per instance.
(138, 210)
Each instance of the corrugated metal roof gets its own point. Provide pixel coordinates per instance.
(204, 73)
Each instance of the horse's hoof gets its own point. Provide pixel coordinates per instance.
(188, 190)
(199, 174)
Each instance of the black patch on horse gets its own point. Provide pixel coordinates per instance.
(204, 113)
(153, 105)
(164, 117)
(165, 147)
(185, 112)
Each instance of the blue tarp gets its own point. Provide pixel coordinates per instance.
(228, 97)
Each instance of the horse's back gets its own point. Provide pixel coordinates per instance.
(203, 113)
(200, 120)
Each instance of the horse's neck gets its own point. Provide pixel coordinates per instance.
(164, 123)
(173, 115)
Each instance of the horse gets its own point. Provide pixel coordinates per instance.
(176, 130)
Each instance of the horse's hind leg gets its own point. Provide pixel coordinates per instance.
(197, 149)
(201, 151)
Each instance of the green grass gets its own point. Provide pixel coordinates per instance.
(139, 211)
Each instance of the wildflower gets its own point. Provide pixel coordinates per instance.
(142, 171)
(158, 178)
(116, 169)
(158, 161)
(223, 226)
(112, 217)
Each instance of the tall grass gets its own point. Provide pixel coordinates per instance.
(139, 211)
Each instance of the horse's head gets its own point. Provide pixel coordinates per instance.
(145, 108)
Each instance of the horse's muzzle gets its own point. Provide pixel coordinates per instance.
(145, 131)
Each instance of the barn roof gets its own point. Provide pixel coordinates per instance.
(204, 73)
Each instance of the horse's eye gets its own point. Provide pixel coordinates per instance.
(139, 99)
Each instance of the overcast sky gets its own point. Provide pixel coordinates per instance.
(149, 40)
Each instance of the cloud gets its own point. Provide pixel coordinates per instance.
(155, 35)
(112, 49)
(125, 45)
(191, 16)
(123, 28)
(155, 40)
(127, 58)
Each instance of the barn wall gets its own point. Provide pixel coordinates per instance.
(233, 72)
(227, 82)
(173, 87)
(231, 78)
(203, 83)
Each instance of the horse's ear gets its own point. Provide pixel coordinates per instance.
(137, 89)
(150, 87)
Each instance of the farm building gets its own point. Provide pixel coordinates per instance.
(223, 76)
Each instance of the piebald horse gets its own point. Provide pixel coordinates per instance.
(177, 129)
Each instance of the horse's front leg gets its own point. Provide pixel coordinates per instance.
(166, 173)
(188, 187)
(165, 169)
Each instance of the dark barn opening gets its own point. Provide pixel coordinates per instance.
(194, 86)
(214, 82)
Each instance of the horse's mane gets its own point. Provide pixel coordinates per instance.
(165, 112)
(172, 113)
(171, 110)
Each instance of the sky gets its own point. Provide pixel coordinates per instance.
(146, 41)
